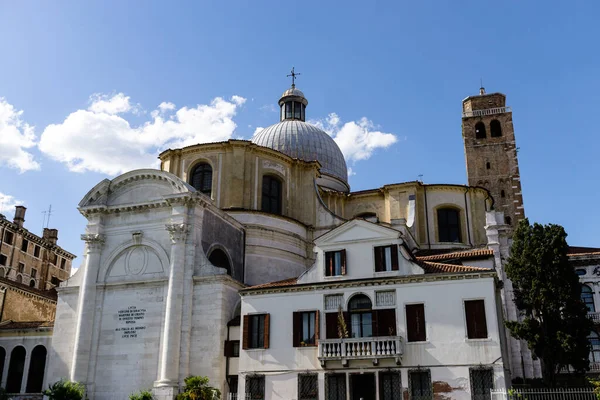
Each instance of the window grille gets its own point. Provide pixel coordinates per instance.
(333, 301)
(308, 387)
(482, 382)
(335, 387)
(255, 388)
(390, 385)
(387, 298)
(420, 385)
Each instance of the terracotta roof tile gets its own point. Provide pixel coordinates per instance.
(285, 282)
(9, 325)
(458, 254)
(439, 268)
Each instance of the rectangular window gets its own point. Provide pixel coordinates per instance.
(449, 225)
(386, 258)
(308, 387)
(24, 245)
(33, 272)
(36, 251)
(306, 328)
(385, 321)
(2, 259)
(8, 237)
(420, 385)
(55, 281)
(332, 324)
(335, 387)
(63, 262)
(256, 331)
(415, 323)
(335, 263)
(390, 386)
(21, 267)
(476, 322)
(232, 348)
(255, 387)
(482, 381)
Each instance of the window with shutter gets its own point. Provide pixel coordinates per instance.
(306, 328)
(335, 263)
(386, 322)
(476, 322)
(232, 348)
(386, 258)
(415, 323)
(255, 333)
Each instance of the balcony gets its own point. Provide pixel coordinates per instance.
(487, 111)
(594, 316)
(369, 348)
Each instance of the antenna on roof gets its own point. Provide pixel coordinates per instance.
(420, 178)
(47, 213)
(481, 88)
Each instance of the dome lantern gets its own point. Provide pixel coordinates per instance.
(292, 104)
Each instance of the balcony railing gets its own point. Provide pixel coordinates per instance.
(373, 348)
(487, 111)
(594, 316)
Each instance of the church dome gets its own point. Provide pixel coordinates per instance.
(298, 139)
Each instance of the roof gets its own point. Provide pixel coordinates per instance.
(428, 266)
(575, 251)
(468, 254)
(49, 294)
(11, 325)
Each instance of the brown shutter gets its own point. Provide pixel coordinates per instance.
(395, 257)
(328, 264)
(375, 323)
(267, 327)
(228, 348)
(317, 327)
(476, 321)
(386, 320)
(347, 320)
(245, 332)
(378, 259)
(415, 323)
(331, 325)
(343, 261)
(297, 326)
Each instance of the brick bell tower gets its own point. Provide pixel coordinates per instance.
(491, 152)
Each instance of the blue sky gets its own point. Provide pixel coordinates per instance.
(114, 82)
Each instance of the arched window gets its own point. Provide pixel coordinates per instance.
(587, 296)
(201, 178)
(508, 220)
(361, 316)
(448, 220)
(37, 367)
(495, 128)
(595, 347)
(2, 360)
(480, 130)
(219, 259)
(271, 194)
(19, 279)
(502, 194)
(488, 165)
(15, 370)
(32, 283)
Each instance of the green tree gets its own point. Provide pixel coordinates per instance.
(65, 390)
(197, 388)
(141, 395)
(547, 292)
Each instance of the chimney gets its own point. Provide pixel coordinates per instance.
(51, 235)
(19, 216)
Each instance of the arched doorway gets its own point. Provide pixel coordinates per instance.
(37, 368)
(15, 370)
(218, 258)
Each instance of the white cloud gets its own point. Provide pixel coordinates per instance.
(15, 137)
(7, 204)
(258, 129)
(357, 139)
(269, 108)
(99, 140)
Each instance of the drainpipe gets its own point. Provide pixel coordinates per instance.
(467, 215)
(427, 217)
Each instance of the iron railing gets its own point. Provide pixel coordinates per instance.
(543, 394)
(594, 316)
(487, 111)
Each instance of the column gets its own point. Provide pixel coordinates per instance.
(86, 307)
(26, 370)
(169, 366)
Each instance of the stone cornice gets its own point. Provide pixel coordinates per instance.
(224, 279)
(357, 283)
(27, 293)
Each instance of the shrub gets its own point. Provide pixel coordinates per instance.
(197, 388)
(141, 395)
(3, 394)
(65, 390)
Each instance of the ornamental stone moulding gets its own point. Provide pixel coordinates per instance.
(94, 241)
(178, 232)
